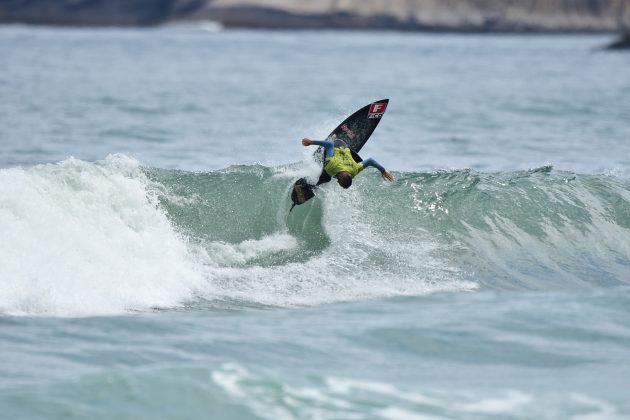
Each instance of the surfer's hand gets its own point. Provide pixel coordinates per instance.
(387, 175)
(306, 142)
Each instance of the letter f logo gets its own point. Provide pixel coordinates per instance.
(377, 109)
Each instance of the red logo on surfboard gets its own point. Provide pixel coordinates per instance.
(377, 109)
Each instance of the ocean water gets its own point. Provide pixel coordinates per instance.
(149, 267)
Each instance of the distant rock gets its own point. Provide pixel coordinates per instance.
(623, 43)
(433, 15)
(444, 15)
(96, 12)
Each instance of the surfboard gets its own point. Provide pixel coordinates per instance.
(355, 132)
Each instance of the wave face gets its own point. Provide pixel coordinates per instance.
(112, 236)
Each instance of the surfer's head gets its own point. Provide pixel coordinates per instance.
(344, 179)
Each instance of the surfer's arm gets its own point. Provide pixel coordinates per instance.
(329, 146)
(371, 162)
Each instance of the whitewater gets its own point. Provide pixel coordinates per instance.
(150, 267)
(99, 234)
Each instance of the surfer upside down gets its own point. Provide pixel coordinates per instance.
(339, 163)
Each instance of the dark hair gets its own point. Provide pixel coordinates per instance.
(344, 179)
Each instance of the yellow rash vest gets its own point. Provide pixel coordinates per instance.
(342, 161)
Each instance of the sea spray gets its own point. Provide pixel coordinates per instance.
(88, 238)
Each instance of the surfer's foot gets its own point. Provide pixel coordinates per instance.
(300, 194)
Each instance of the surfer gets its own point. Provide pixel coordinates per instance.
(339, 163)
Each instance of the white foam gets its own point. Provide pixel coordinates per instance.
(228, 254)
(83, 238)
(397, 413)
(513, 402)
(249, 389)
(273, 396)
(345, 271)
(346, 386)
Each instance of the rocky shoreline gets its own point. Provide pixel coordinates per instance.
(411, 15)
(623, 43)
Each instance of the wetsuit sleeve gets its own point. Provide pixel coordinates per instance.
(373, 163)
(329, 147)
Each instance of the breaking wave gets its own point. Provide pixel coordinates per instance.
(81, 238)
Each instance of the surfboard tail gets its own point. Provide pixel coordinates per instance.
(302, 192)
